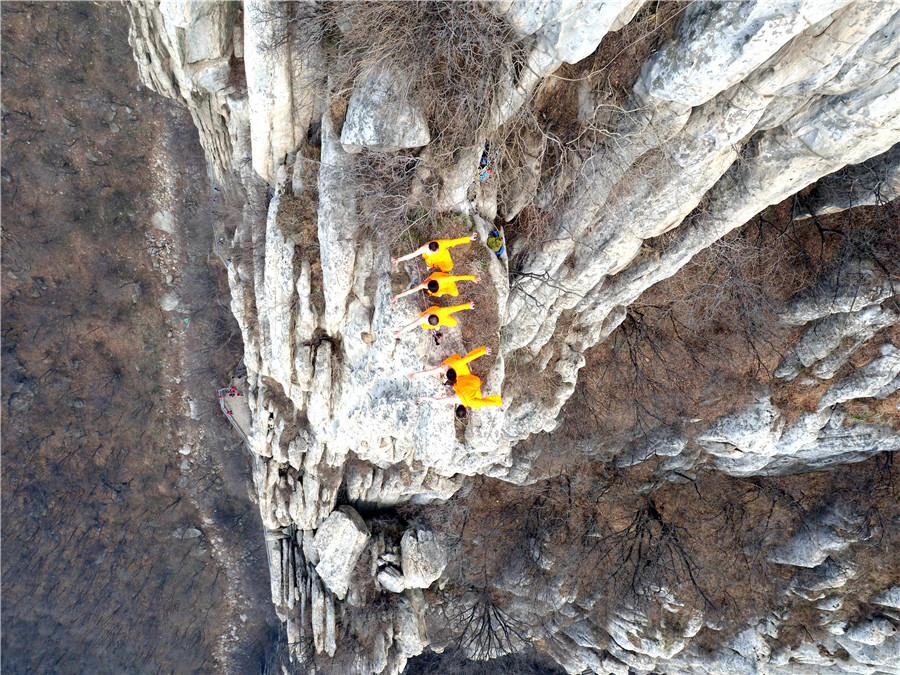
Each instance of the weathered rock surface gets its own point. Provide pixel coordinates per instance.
(339, 541)
(746, 104)
(757, 441)
(876, 181)
(392, 579)
(424, 559)
(181, 47)
(284, 72)
(595, 284)
(811, 546)
(383, 115)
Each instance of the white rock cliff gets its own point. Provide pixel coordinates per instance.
(745, 104)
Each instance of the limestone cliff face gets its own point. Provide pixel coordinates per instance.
(744, 105)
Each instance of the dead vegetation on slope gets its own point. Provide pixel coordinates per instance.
(104, 565)
(450, 54)
(609, 539)
(693, 347)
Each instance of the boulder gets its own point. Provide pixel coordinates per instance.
(339, 542)
(169, 302)
(871, 631)
(816, 582)
(382, 115)
(205, 27)
(213, 75)
(409, 624)
(392, 579)
(889, 598)
(424, 559)
(809, 547)
(870, 380)
(164, 221)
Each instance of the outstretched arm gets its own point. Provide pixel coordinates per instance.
(431, 371)
(408, 256)
(424, 284)
(455, 400)
(462, 240)
(408, 327)
(475, 354)
(457, 308)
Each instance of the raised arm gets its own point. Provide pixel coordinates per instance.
(408, 256)
(486, 401)
(455, 400)
(408, 327)
(475, 354)
(412, 290)
(439, 370)
(462, 240)
(456, 308)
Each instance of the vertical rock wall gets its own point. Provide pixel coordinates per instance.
(745, 105)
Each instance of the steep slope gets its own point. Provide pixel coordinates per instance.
(349, 133)
(130, 539)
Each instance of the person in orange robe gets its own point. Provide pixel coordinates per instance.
(435, 252)
(468, 395)
(439, 284)
(436, 317)
(454, 366)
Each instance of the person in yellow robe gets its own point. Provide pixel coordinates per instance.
(468, 395)
(436, 253)
(435, 317)
(439, 284)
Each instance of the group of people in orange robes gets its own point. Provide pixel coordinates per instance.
(467, 387)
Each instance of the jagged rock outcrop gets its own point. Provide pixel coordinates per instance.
(743, 106)
(183, 50)
(383, 115)
(845, 311)
(424, 559)
(819, 538)
(796, 148)
(339, 541)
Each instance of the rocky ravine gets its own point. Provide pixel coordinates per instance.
(741, 106)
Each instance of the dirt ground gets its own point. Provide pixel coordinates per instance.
(130, 543)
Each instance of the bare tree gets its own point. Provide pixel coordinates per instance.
(483, 630)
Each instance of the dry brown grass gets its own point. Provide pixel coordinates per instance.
(705, 539)
(450, 53)
(527, 232)
(385, 203)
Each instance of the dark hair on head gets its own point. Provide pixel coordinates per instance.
(434, 319)
(433, 286)
(433, 245)
(451, 376)
(461, 412)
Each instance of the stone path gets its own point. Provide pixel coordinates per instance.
(237, 406)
